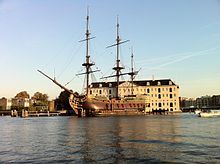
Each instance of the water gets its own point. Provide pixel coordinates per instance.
(182, 138)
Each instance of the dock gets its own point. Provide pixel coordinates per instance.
(24, 113)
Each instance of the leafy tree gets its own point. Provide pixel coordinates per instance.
(40, 99)
(63, 100)
(22, 94)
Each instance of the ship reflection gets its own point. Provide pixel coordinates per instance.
(133, 138)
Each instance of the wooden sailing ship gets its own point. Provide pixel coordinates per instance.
(92, 106)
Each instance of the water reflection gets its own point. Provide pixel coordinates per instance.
(116, 139)
(169, 138)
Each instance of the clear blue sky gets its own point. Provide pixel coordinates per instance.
(176, 39)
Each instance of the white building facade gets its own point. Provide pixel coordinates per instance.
(163, 94)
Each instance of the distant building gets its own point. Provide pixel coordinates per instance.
(204, 101)
(21, 102)
(216, 100)
(187, 102)
(201, 102)
(5, 104)
(164, 93)
(51, 106)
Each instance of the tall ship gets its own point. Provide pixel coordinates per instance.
(87, 105)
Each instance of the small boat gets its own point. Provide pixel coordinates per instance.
(197, 111)
(210, 113)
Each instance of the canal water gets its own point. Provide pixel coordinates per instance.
(180, 138)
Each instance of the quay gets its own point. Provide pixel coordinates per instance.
(24, 113)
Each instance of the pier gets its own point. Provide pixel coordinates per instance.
(24, 113)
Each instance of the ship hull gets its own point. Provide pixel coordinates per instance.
(115, 106)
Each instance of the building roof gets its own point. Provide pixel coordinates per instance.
(161, 82)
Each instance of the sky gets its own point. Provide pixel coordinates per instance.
(178, 40)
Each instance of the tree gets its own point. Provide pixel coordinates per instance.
(22, 95)
(63, 100)
(40, 99)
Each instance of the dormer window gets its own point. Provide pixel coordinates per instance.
(91, 86)
(158, 83)
(170, 82)
(148, 83)
(100, 85)
(110, 84)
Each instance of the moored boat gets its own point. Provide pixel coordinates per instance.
(210, 113)
(90, 106)
(197, 111)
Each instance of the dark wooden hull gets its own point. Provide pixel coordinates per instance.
(114, 106)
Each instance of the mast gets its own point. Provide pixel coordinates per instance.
(117, 68)
(87, 63)
(132, 72)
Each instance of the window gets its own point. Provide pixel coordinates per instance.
(170, 89)
(171, 104)
(171, 96)
(148, 90)
(159, 96)
(158, 90)
(159, 105)
(90, 92)
(110, 91)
